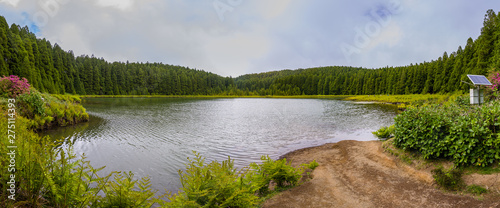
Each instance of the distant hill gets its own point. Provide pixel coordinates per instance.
(439, 76)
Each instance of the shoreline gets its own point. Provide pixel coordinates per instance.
(219, 96)
(362, 174)
(298, 151)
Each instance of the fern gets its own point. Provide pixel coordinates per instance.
(121, 193)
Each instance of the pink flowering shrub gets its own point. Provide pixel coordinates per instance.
(495, 80)
(493, 91)
(12, 86)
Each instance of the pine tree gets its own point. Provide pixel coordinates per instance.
(485, 43)
(4, 50)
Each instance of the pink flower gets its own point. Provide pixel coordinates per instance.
(12, 86)
(495, 79)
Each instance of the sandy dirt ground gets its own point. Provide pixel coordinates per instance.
(361, 174)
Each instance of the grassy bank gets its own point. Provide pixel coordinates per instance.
(402, 101)
(407, 99)
(215, 96)
(390, 99)
(45, 111)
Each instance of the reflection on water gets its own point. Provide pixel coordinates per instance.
(154, 136)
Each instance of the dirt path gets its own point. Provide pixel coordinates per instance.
(360, 174)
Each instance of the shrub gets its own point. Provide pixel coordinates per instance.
(312, 165)
(12, 86)
(121, 193)
(462, 100)
(422, 129)
(450, 180)
(278, 171)
(31, 104)
(385, 132)
(221, 185)
(469, 135)
(47, 110)
(494, 90)
(214, 185)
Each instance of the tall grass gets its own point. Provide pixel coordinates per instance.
(414, 99)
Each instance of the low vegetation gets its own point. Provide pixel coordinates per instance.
(476, 189)
(386, 132)
(450, 179)
(413, 100)
(221, 185)
(42, 110)
(467, 135)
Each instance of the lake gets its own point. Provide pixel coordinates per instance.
(154, 136)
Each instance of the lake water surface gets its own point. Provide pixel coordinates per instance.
(154, 136)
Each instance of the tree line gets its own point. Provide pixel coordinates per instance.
(443, 75)
(51, 69)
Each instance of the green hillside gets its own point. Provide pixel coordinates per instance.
(53, 70)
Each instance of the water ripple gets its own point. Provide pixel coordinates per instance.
(153, 137)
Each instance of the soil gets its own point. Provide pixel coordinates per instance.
(361, 174)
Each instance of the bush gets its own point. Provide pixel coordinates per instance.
(31, 104)
(12, 86)
(214, 185)
(47, 111)
(221, 185)
(121, 193)
(469, 135)
(312, 165)
(278, 171)
(450, 180)
(493, 92)
(462, 100)
(385, 132)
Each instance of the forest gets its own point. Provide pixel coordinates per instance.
(53, 70)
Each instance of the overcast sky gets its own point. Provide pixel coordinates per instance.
(235, 37)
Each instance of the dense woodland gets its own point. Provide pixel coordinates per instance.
(51, 69)
(439, 76)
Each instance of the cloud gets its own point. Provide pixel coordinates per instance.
(120, 4)
(273, 9)
(10, 2)
(71, 36)
(236, 52)
(256, 35)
